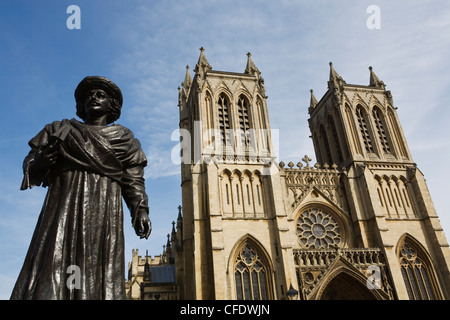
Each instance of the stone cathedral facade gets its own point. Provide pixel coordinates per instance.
(358, 224)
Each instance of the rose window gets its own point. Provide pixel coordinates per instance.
(317, 229)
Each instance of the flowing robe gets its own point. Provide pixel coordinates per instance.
(77, 249)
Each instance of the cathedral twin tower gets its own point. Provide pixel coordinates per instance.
(359, 224)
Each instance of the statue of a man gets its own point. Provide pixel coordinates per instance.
(77, 249)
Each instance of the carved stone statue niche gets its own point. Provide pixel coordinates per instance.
(88, 167)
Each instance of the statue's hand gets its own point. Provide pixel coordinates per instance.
(142, 224)
(45, 158)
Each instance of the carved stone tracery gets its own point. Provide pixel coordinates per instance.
(317, 229)
(324, 179)
(314, 267)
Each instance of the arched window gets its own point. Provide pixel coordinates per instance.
(353, 134)
(417, 273)
(227, 192)
(261, 111)
(337, 145)
(251, 274)
(379, 123)
(262, 133)
(327, 152)
(364, 129)
(244, 122)
(258, 194)
(208, 124)
(224, 119)
(396, 135)
(237, 195)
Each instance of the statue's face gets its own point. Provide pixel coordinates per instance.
(96, 103)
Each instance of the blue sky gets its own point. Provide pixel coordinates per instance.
(144, 46)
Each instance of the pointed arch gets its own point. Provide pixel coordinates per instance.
(344, 282)
(208, 116)
(224, 116)
(261, 125)
(251, 269)
(261, 111)
(242, 193)
(258, 192)
(247, 193)
(364, 129)
(358, 100)
(325, 145)
(417, 270)
(226, 188)
(244, 118)
(222, 88)
(404, 189)
(396, 133)
(382, 194)
(354, 142)
(336, 149)
(237, 194)
(380, 125)
(395, 198)
(338, 123)
(243, 92)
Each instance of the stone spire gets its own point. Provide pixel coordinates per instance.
(375, 81)
(179, 231)
(186, 84)
(202, 64)
(147, 272)
(313, 102)
(335, 79)
(173, 235)
(250, 68)
(179, 218)
(336, 85)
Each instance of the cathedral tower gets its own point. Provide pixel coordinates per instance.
(233, 216)
(356, 127)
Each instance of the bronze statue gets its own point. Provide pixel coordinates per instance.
(88, 167)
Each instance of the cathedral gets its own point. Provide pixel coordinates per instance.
(358, 224)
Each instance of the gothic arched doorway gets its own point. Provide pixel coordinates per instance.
(346, 287)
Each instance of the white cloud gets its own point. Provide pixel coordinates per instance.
(160, 163)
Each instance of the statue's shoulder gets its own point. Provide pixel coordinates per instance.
(120, 127)
(55, 125)
(122, 130)
(50, 128)
(43, 136)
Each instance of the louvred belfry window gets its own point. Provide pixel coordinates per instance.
(364, 130)
(380, 130)
(244, 122)
(224, 120)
